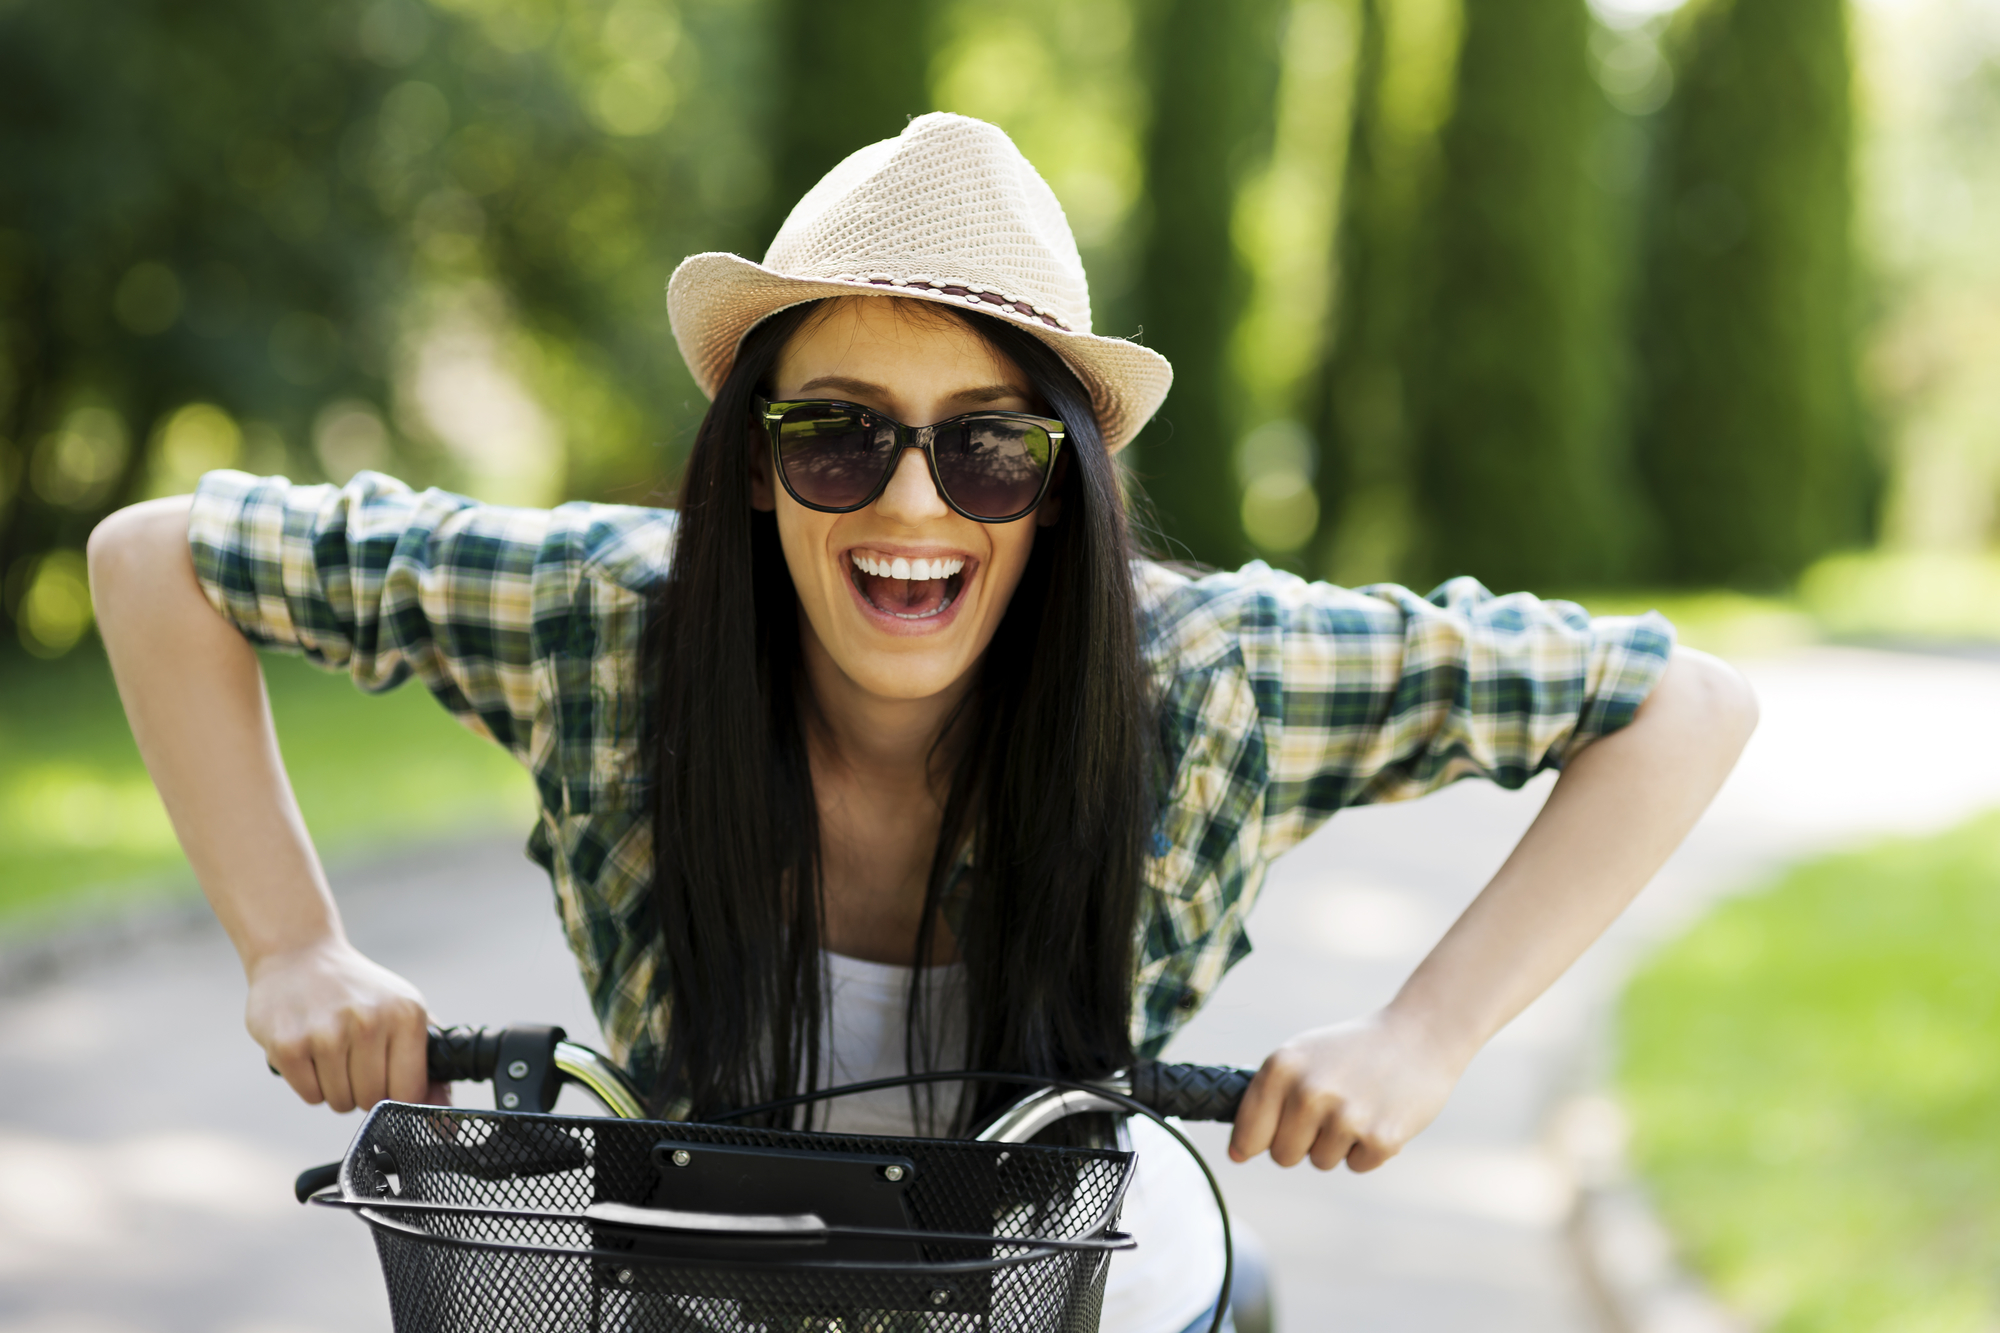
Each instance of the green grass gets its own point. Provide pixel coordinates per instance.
(1728, 624)
(1864, 596)
(1813, 1076)
(81, 829)
(1909, 596)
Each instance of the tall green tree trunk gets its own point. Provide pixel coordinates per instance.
(1749, 435)
(1213, 72)
(1516, 475)
(1361, 481)
(848, 72)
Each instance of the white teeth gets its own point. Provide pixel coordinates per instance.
(943, 567)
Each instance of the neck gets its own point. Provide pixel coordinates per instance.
(887, 743)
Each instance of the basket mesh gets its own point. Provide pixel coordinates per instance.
(449, 1274)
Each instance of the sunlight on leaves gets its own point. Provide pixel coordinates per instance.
(197, 438)
(77, 466)
(633, 98)
(56, 610)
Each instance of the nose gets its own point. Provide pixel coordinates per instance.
(911, 496)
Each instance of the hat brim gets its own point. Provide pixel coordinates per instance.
(714, 299)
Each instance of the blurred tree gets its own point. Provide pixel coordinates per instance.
(1285, 212)
(173, 228)
(1071, 99)
(427, 237)
(1516, 475)
(846, 73)
(1749, 432)
(1362, 420)
(1213, 72)
(595, 143)
(1933, 270)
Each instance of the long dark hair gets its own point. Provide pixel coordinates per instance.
(1053, 787)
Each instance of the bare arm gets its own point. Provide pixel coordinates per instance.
(339, 1028)
(1357, 1092)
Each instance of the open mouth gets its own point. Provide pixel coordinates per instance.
(907, 589)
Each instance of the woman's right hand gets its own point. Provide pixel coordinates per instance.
(341, 1028)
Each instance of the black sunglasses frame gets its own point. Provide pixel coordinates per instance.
(908, 437)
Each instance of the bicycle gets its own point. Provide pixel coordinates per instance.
(522, 1219)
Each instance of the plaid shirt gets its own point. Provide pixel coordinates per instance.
(1283, 700)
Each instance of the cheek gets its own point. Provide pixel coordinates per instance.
(1012, 544)
(802, 534)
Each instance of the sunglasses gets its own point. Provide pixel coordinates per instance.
(991, 467)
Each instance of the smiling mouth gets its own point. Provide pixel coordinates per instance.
(907, 589)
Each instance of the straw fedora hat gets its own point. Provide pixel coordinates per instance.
(946, 211)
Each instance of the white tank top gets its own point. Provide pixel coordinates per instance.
(1158, 1288)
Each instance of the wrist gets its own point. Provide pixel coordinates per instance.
(325, 944)
(1445, 1035)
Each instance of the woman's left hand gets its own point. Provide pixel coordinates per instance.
(1355, 1092)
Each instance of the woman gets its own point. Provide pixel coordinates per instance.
(885, 751)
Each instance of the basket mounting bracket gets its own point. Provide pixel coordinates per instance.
(525, 1077)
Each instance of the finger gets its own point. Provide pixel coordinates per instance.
(294, 1061)
(1257, 1114)
(368, 1064)
(1367, 1154)
(1332, 1146)
(409, 1060)
(438, 1094)
(1306, 1114)
(330, 1061)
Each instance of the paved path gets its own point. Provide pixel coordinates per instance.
(145, 1154)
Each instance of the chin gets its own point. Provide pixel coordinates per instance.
(905, 676)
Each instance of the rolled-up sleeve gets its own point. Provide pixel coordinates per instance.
(1287, 701)
(383, 583)
(1377, 694)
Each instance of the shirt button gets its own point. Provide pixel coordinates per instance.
(1189, 999)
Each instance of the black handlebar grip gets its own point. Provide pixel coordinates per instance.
(314, 1179)
(1191, 1092)
(464, 1054)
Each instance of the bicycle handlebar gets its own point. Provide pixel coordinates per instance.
(529, 1063)
(1191, 1092)
(464, 1054)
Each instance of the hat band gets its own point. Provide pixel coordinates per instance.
(1013, 305)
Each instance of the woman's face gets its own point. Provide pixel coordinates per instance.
(899, 638)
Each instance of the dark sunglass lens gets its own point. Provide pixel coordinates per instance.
(833, 456)
(993, 466)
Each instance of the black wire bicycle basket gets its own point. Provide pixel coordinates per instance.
(502, 1222)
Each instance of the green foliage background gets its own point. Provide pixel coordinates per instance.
(1443, 285)
(1750, 435)
(1516, 473)
(840, 77)
(1214, 71)
(290, 218)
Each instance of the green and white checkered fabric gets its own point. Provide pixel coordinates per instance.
(1283, 701)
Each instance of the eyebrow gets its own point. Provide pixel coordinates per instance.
(985, 393)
